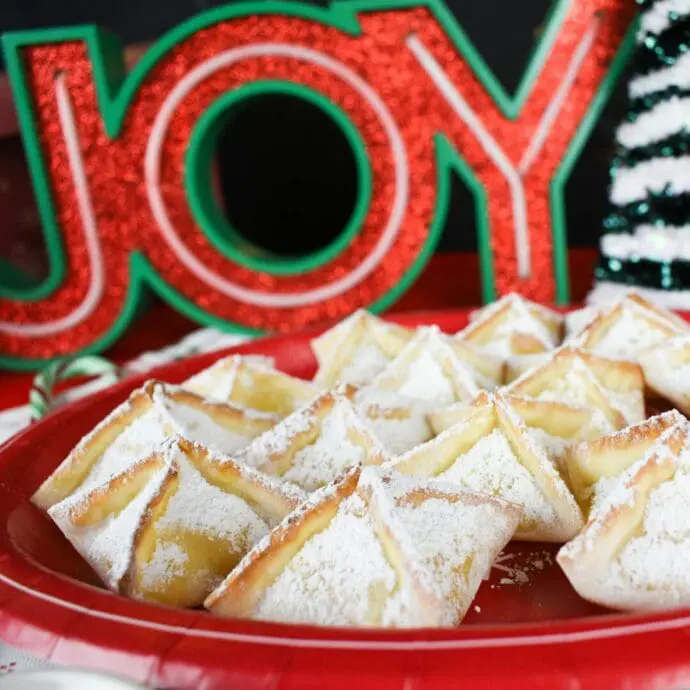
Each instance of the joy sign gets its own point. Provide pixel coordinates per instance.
(121, 164)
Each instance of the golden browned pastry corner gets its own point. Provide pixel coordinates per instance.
(171, 526)
(514, 327)
(150, 415)
(592, 467)
(612, 389)
(428, 370)
(253, 383)
(373, 548)
(553, 425)
(314, 445)
(491, 451)
(357, 349)
(666, 370)
(628, 327)
(634, 552)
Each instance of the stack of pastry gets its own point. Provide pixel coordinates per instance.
(380, 493)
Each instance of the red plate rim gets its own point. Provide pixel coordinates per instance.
(35, 599)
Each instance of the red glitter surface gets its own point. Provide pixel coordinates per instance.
(381, 57)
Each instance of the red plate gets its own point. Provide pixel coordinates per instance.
(538, 634)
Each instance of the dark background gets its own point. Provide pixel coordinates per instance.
(299, 196)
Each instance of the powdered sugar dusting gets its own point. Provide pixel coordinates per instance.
(335, 577)
(456, 543)
(629, 335)
(427, 381)
(164, 418)
(339, 443)
(203, 508)
(135, 442)
(218, 381)
(491, 467)
(331, 453)
(659, 559)
(573, 389)
(555, 446)
(400, 423)
(366, 362)
(576, 321)
(167, 563)
(672, 381)
(199, 426)
(107, 545)
(518, 319)
(629, 403)
(278, 439)
(517, 569)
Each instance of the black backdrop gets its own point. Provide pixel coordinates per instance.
(289, 181)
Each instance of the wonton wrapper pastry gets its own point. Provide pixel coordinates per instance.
(314, 445)
(252, 382)
(666, 370)
(357, 349)
(514, 326)
(628, 327)
(372, 549)
(429, 371)
(612, 389)
(592, 467)
(492, 452)
(554, 426)
(171, 526)
(634, 551)
(130, 432)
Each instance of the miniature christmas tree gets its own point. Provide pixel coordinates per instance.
(646, 241)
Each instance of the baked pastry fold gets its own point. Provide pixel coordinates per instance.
(313, 445)
(593, 466)
(634, 550)
(554, 426)
(612, 389)
(429, 370)
(628, 327)
(492, 451)
(666, 370)
(374, 548)
(514, 327)
(252, 382)
(357, 349)
(169, 527)
(148, 417)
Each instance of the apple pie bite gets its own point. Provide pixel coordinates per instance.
(633, 554)
(514, 326)
(491, 451)
(373, 548)
(253, 383)
(592, 467)
(151, 414)
(313, 445)
(628, 327)
(666, 370)
(552, 425)
(171, 525)
(428, 370)
(357, 349)
(612, 389)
